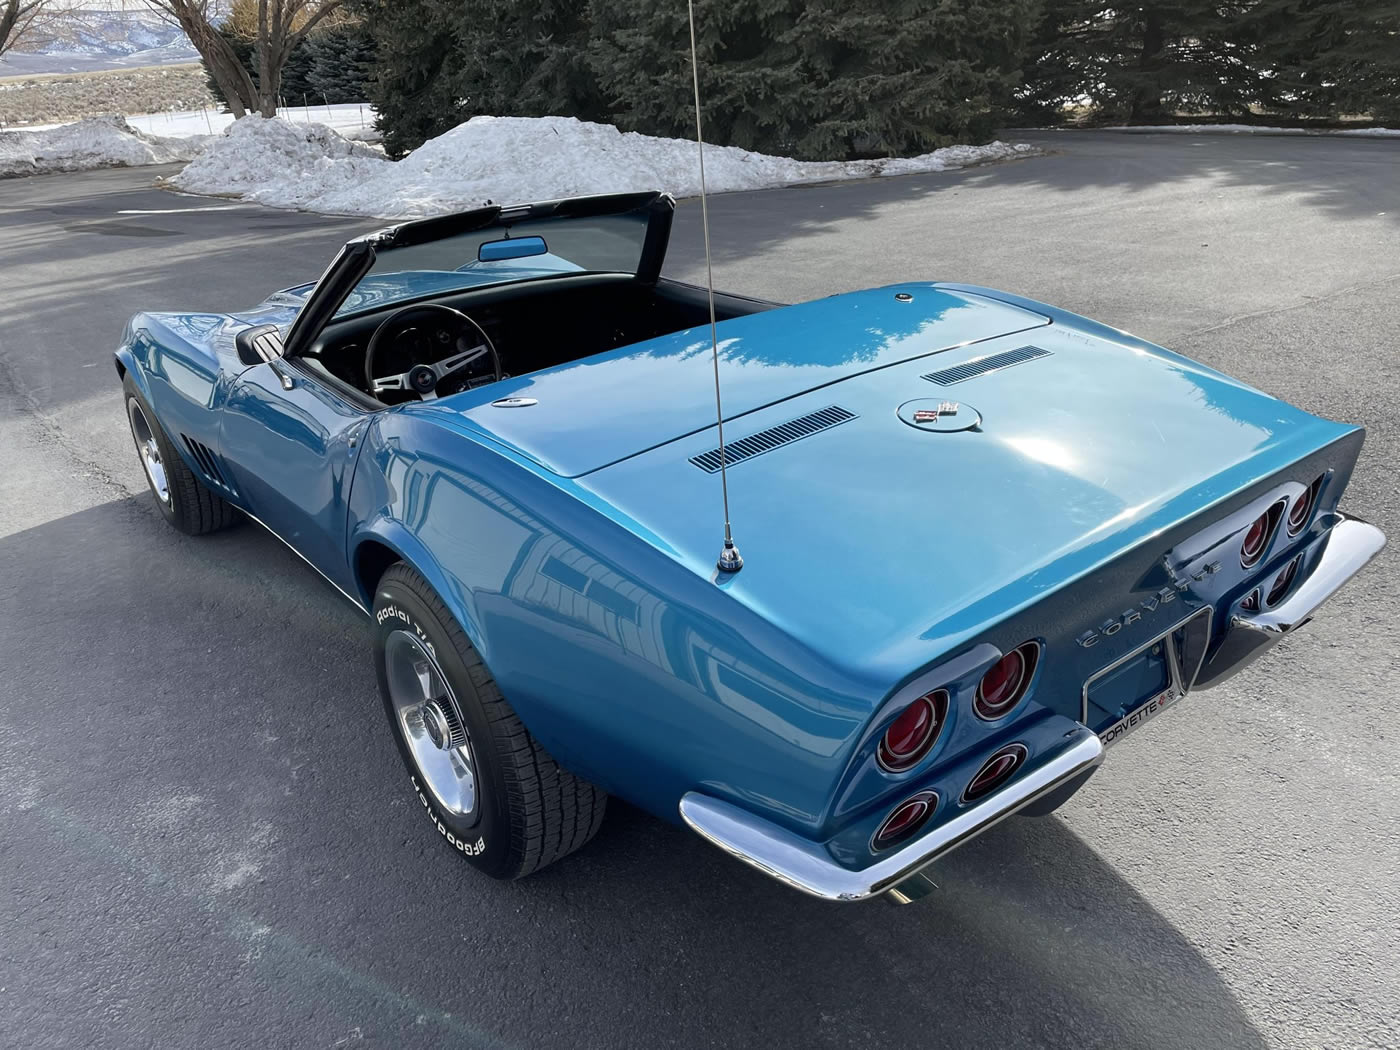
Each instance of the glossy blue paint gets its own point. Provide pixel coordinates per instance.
(604, 408)
(575, 541)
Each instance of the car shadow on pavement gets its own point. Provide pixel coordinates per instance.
(225, 762)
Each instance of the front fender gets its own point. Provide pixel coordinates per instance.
(127, 365)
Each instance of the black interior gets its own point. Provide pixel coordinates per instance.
(534, 325)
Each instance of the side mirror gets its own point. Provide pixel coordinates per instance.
(511, 248)
(258, 344)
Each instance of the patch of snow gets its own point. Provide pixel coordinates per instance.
(1251, 129)
(284, 165)
(97, 142)
(507, 159)
(352, 119)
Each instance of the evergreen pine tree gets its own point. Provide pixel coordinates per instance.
(414, 88)
(1329, 58)
(341, 58)
(1143, 63)
(817, 79)
(345, 56)
(751, 72)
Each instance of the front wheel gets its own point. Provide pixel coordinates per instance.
(493, 793)
(184, 500)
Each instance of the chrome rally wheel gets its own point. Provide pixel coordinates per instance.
(149, 450)
(184, 500)
(489, 788)
(431, 724)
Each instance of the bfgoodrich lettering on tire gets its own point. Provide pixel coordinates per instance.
(489, 789)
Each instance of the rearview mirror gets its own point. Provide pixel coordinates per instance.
(259, 344)
(511, 248)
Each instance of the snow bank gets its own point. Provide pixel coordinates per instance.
(1251, 129)
(354, 120)
(281, 164)
(505, 159)
(97, 142)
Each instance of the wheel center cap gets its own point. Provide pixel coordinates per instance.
(442, 725)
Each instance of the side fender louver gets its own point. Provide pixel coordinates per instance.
(209, 465)
(980, 366)
(774, 437)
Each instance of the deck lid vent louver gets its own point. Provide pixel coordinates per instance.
(774, 437)
(980, 366)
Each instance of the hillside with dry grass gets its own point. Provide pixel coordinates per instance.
(50, 99)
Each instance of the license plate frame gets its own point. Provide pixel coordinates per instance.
(1182, 669)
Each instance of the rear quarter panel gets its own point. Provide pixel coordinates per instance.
(628, 667)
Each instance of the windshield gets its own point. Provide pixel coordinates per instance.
(592, 244)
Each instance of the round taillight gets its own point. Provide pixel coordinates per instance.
(995, 772)
(1005, 682)
(1301, 510)
(1255, 540)
(1251, 603)
(907, 818)
(1284, 581)
(910, 736)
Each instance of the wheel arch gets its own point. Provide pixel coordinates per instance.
(376, 547)
(128, 366)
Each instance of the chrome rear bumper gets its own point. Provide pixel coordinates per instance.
(806, 866)
(1350, 544)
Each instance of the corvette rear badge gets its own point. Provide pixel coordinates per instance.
(932, 415)
(943, 417)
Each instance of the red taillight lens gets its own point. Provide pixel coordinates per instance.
(1259, 533)
(1284, 581)
(1301, 511)
(1298, 514)
(1005, 682)
(910, 736)
(1251, 604)
(995, 772)
(1254, 541)
(908, 817)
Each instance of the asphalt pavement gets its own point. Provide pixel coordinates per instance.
(206, 839)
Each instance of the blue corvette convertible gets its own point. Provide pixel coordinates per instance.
(983, 538)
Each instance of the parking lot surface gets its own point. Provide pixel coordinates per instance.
(206, 838)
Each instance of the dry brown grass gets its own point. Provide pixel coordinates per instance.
(50, 98)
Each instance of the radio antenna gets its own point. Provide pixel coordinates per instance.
(729, 560)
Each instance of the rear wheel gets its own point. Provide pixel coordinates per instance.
(493, 793)
(183, 499)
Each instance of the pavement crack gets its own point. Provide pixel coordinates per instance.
(28, 406)
(1311, 300)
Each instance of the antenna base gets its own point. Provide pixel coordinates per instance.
(729, 559)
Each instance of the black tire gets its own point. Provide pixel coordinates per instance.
(190, 506)
(528, 810)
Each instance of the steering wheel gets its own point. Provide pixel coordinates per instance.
(465, 341)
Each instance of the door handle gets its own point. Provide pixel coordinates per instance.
(287, 382)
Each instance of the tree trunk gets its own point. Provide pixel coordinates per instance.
(269, 62)
(1147, 95)
(269, 88)
(9, 15)
(222, 63)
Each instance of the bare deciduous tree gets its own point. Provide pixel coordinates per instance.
(282, 25)
(19, 18)
(278, 26)
(196, 18)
